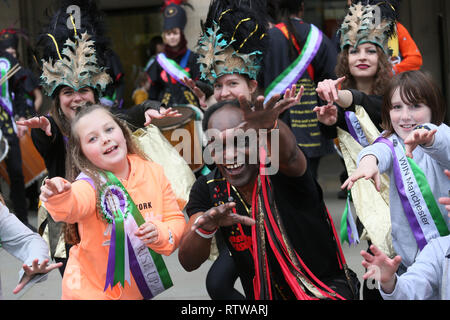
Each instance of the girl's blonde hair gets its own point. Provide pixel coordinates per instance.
(76, 161)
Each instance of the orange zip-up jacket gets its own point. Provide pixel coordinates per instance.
(409, 52)
(85, 274)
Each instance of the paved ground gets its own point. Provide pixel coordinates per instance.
(187, 286)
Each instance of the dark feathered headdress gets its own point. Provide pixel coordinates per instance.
(74, 47)
(233, 39)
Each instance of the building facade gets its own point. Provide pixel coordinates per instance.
(132, 23)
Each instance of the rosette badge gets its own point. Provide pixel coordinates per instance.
(112, 200)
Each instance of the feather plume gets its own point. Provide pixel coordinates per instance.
(366, 23)
(78, 67)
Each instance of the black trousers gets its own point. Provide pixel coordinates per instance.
(17, 188)
(222, 275)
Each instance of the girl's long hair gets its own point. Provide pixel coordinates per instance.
(76, 161)
(381, 78)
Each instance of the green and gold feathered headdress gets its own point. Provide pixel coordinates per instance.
(77, 67)
(233, 40)
(74, 47)
(366, 23)
(217, 57)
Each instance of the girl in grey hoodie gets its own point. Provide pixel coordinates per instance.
(414, 150)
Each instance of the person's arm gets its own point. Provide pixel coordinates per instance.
(44, 132)
(292, 161)
(68, 202)
(368, 169)
(434, 141)
(422, 279)
(171, 228)
(135, 116)
(204, 221)
(20, 241)
(26, 246)
(193, 250)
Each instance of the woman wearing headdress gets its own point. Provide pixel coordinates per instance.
(73, 75)
(404, 54)
(353, 114)
(273, 239)
(175, 62)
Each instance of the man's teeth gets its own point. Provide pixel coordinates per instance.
(233, 166)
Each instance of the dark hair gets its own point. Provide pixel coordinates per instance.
(283, 9)
(244, 21)
(209, 112)
(382, 75)
(415, 87)
(153, 44)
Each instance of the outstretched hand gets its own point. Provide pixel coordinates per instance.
(327, 114)
(53, 187)
(367, 169)
(380, 267)
(196, 90)
(328, 89)
(37, 122)
(417, 137)
(264, 115)
(221, 216)
(290, 93)
(162, 113)
(34, 269)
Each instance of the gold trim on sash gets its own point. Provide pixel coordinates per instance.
(372, 207)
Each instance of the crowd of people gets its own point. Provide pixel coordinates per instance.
(274, 95)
